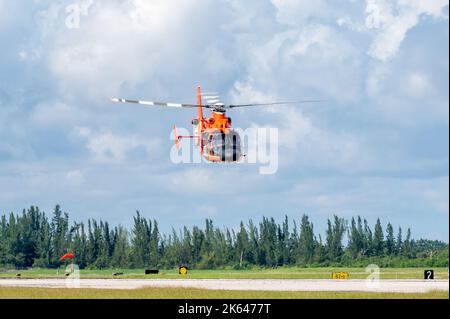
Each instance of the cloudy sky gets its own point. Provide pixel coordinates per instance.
(378, 146)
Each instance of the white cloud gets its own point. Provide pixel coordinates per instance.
(407, 97)
(321, 148)
(417, 85)
(435, 192)
(311, 60)
(303, 142)
(259, 51)
(198, 182)
(75, 177)
(244, 91)
(296, 12)
(393, 19)
(7, 11)
(56, 113)
(126, 44)
(107, 147)
(192, 181)
(207, 211)
(372, 195)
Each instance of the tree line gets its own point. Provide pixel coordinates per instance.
(33, 239)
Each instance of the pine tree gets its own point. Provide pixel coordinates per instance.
(209, 237)
(3, 240)
(294, 242)
(354, 240)
(91, 246)
(59, 229)
(29, 239)
(29, 228)
(406, 249)
(256, 252)
(390, 240)
(335, 233)
(198, 238)
(368, 240)
(186, 253)
(319, 251)
(229, 244)
(120, 256)
(43, 245)
(285, 243)
(378, 239)
(243, 246)
(399, 244)
(268, 242)
(103, 237)
(305, 250)
(173, 250)
(140, 241)
(329, 241)
(14, 255)
(154, 245)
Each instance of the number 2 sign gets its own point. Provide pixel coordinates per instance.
(428, 274)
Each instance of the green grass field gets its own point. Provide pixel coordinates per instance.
(184, 293)
(279, 273)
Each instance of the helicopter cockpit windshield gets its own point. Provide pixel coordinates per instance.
(226, 146)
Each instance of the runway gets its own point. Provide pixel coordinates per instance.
(401, 286)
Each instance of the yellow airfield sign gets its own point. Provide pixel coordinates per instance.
(183, 270)
(340, 276)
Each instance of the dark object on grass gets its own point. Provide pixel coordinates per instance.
(117, 274)
(67, 274)
(18, 275)
(151, 271)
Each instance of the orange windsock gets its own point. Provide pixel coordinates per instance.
(67, 256)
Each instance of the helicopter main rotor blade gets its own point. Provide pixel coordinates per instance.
(150, 103)
(214, 106)
(275, 103)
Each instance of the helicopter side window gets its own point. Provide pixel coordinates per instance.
(219, 138)
(210, 143)
(233, 139)
(205, 137)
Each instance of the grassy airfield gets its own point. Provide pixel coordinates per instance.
(279, 273)
(190, 293)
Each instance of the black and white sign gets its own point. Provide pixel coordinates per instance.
(428, 274)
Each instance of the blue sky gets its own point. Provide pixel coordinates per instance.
(378, 146)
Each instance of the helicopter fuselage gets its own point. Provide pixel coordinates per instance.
(218, 141)
(214, 135)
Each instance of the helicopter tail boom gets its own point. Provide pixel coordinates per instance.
(200, 108)
(178, 138)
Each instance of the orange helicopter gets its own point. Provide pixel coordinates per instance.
(216, 138)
